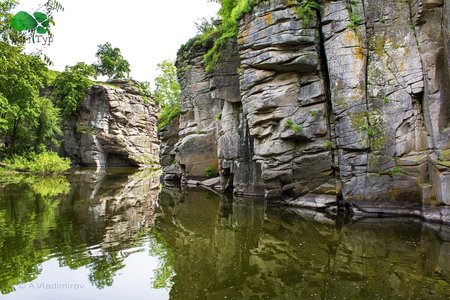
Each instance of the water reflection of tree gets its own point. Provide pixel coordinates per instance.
(104, 267)
(160, 248)
(49, 217)
(25, 226)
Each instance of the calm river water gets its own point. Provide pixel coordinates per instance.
(122, 235)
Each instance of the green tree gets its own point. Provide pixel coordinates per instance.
(7, 34)
(167, 88)
(167, 93)
(111, 62)
(4, 110)
(48, 125)
(71, 86)
(21, 78)
(38, 21)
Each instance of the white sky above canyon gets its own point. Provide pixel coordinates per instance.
(146, 31)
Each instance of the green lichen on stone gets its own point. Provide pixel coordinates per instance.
(146, 159)
(377, 135)
(339, 101)
(378, 142)
(379, 45)
(443, 163)
(369, 124)
(394, 171)
(359, 121)
(445, 155)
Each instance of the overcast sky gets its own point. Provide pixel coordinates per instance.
(146, 31)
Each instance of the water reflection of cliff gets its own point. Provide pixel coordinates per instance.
(241, 249)
(87, 222)
(121, 205)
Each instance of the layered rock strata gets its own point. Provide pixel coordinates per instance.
(351, 104)
(115, 126)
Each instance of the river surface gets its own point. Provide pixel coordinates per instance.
(123, 235)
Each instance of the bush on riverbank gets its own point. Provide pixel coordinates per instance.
(42, 163)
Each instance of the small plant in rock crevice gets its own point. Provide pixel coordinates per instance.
(355, 19)
(290, 124)
(306, 10)
(329, 145)
(314, 112)
(210, 172)
(395, 171)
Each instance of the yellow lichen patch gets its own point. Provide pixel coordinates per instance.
(339, 101)
(351, 38)
(291, 2)
(359, 53)
(445, 155)
(268, 19)
(401, 66)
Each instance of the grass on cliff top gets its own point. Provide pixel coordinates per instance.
(167, 114)
(215, 36)
(231, 11)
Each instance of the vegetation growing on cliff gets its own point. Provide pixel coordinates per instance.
(111, 63)
(231, 11)
(71, 86)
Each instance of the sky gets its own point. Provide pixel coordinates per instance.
(146, 31)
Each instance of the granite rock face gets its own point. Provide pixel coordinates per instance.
(169, 137)
(196, 150)
(353, 104)
(115, 127)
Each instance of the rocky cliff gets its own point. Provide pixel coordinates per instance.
(115, 126)
(352, 104)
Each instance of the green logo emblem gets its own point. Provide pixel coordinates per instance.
(38, 22)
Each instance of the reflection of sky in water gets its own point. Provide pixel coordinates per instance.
(131, 282)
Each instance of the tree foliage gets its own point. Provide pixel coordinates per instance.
(167, 88)
(167, 93)
(71, 86)
(230, 12)
(43, 163)
(27, 122)
(111, 62)
(7, 34)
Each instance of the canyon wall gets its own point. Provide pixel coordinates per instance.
(350, 105)
(115, 127)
